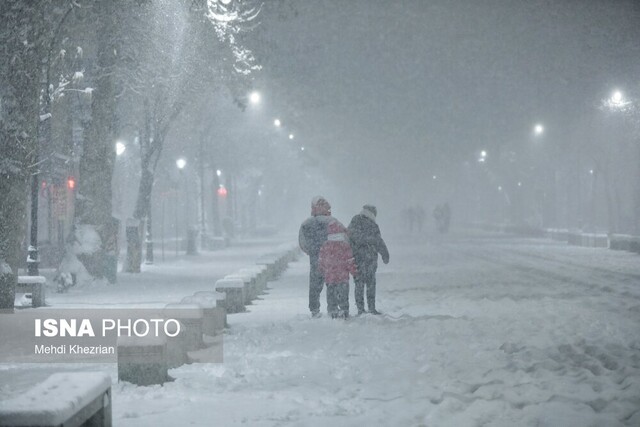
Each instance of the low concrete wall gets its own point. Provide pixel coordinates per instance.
(143, 361)
(63, 399)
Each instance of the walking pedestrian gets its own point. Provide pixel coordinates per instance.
(335, 263)
(312, 234)
(366, 244)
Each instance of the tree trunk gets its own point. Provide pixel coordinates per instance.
(148, 239)
(143, 203)
(19, 86)
(142, 210)
(44, 139)
(151, 149)
(231, 195)
(93, 204)
(134, 246)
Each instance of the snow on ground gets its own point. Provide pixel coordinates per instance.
(481, 330)
(170, 281)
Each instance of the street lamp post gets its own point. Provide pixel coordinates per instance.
(592, 199)
(548, 192)
(204, 238)
(176, 220)
(181, 163)
(191, 234)
(215, 205)
(619, 104)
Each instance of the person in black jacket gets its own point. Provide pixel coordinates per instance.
(312, 234)
(366, 244)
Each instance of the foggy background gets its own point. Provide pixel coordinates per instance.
(385, 96)
(396, 104)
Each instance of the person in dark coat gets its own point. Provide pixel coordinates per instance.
(366, 244)
(312, 234)
(442, 215)
(336, 263)
(446, 217)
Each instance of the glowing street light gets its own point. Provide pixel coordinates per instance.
(277, 123)
(218, 172)
(538, 129)
(290, 136)
(181, 163)
(120, 148)
(617, 98)
(254, 97)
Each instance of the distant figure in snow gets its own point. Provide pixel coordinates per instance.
(419, 216)
(366, 243)
(438, 216)
(335, 263)
(442, 216)
(312, 234)
(447, 216)
(410, 218)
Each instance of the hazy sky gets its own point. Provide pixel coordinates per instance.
(397, 89)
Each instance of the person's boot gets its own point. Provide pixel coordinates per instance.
(361, 311)
(373, 311)
(316, 314)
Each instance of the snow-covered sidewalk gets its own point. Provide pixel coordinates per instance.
(169, 281)
(478, 330)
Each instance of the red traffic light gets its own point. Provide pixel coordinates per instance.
(71, 183)
(222, 192)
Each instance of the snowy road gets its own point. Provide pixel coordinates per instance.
(478, 331)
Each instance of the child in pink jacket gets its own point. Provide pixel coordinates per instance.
(335, 262)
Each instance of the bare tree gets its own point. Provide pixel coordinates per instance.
(184, 56)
